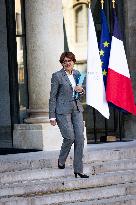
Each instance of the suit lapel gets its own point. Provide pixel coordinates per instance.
(65, 77)
(76, 77)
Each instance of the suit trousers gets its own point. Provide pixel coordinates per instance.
(72, 127)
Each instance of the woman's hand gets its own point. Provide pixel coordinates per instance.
(78, 88)
(53, 122)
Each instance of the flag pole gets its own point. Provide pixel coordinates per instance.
(94, 112)
(89, 3)
(120, 121)
(105, 120)
(113, 4)
(102, 3)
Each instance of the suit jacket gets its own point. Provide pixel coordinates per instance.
(61, 94)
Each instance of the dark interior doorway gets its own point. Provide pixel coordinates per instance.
(13, 71)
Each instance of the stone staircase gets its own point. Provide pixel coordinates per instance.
(34, 179)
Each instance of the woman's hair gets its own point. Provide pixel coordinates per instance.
(67, 54)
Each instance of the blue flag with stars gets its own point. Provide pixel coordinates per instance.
(104, 47)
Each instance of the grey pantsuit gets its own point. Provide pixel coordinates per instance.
(68, 114)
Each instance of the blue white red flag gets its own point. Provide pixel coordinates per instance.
(119, 89)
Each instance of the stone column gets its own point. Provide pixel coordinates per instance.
(45, 43)
(130, 33)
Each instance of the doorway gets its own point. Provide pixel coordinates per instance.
(13, 72)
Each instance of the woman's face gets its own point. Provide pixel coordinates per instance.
(68, 64)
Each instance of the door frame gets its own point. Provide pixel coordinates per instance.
(12, 63)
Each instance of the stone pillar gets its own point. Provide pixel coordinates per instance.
(45, 43)
(130, 33)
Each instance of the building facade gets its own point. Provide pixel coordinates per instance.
(33, 34)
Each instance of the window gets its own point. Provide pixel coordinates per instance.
(81, 23)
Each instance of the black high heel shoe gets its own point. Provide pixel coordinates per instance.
(81, 175)
(61, 166)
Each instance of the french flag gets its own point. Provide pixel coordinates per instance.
(119, 89)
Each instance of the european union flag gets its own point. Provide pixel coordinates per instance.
(105, 45)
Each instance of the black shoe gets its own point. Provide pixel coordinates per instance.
(81, 175)
(61, 166)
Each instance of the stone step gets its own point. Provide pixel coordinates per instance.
(62, 184)
(91, 169)
(122, 200)
(93, 153)
(89, 194)
(108, 154)
(114, 165)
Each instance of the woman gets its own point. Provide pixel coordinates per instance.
(66, 110)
